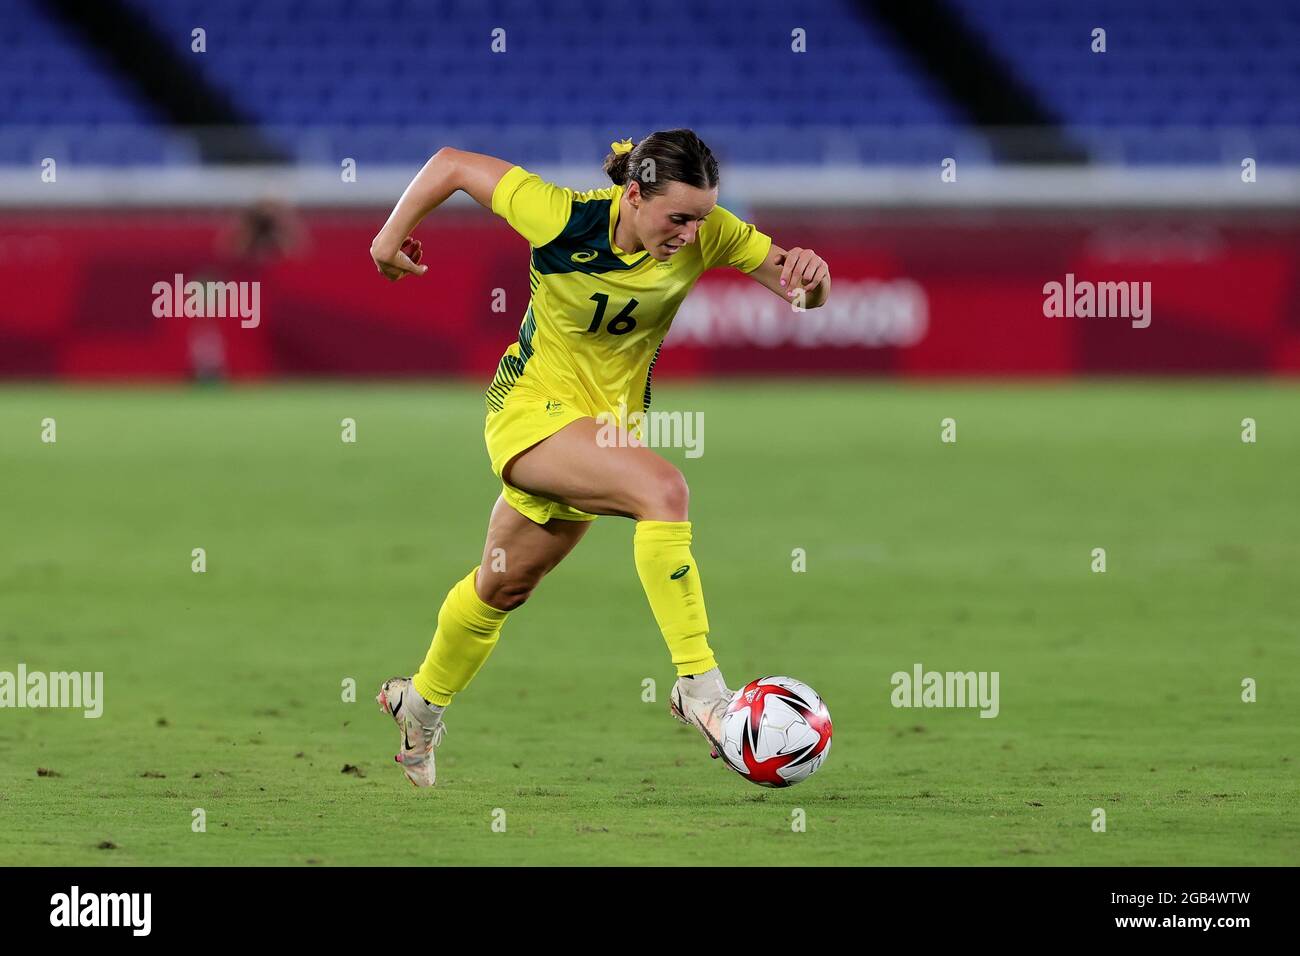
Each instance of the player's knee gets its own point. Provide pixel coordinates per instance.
(511, 596)
(665, 497)
(506, 591)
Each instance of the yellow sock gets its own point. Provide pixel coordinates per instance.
(672, 583)
(467, 631)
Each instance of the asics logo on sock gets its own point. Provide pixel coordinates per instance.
(680, 572)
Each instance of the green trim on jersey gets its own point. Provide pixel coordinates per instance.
(587, 231)
(649, 374)
(512, 363)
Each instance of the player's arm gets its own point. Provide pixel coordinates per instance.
(786, 271)
(395, 253)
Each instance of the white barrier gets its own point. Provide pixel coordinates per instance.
(820, 187)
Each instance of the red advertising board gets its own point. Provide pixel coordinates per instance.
(85, 295)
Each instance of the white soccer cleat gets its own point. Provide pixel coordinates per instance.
(421, 726)
(701, 701)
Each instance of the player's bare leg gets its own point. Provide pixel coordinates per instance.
(517, 554)
(575, 467)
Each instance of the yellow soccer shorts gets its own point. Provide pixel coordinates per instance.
(525, 418)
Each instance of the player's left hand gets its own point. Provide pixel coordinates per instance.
(802, 269)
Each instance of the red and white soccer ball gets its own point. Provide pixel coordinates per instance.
(776, 732)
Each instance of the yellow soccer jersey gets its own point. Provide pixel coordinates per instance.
(598, 315)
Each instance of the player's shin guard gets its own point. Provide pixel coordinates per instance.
(467, 631)
(672, 584)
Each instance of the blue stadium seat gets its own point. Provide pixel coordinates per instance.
(1169, 65)
(367, 71)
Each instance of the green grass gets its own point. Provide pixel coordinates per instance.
(328, 561)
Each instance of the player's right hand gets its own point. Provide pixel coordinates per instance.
(398, 263)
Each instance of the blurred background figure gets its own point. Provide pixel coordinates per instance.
(263, 232)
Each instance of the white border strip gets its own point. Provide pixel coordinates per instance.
(802, 187)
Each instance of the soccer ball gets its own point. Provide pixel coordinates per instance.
(776, 732)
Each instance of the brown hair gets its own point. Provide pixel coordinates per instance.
(668, 156)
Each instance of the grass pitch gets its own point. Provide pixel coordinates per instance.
(327, 561)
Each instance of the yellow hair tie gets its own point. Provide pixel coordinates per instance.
(621, 147)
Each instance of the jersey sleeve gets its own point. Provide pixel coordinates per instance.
(730, 242)
(536, 209)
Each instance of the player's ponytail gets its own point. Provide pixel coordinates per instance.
(616, 162)
(668, 156)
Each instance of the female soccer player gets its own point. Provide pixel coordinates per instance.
(609, 269)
